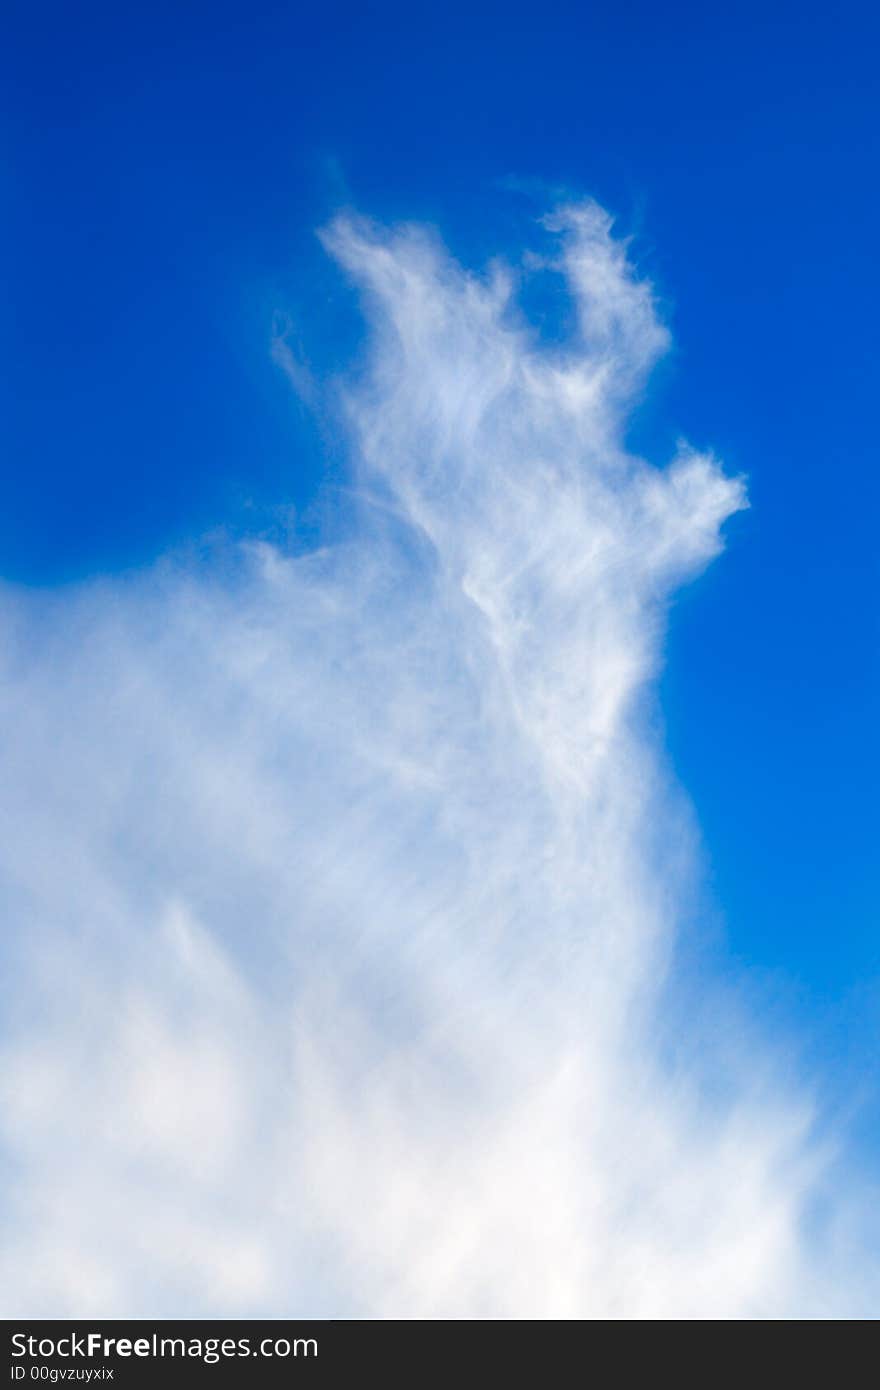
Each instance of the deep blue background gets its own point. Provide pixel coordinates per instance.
(162, 170)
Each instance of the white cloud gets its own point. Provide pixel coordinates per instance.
(342, 889)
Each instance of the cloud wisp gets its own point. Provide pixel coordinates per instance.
(342, 888)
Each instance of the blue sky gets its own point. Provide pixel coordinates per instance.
(163, 172)
(164, 169)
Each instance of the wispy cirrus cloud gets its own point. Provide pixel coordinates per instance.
(342, 889)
